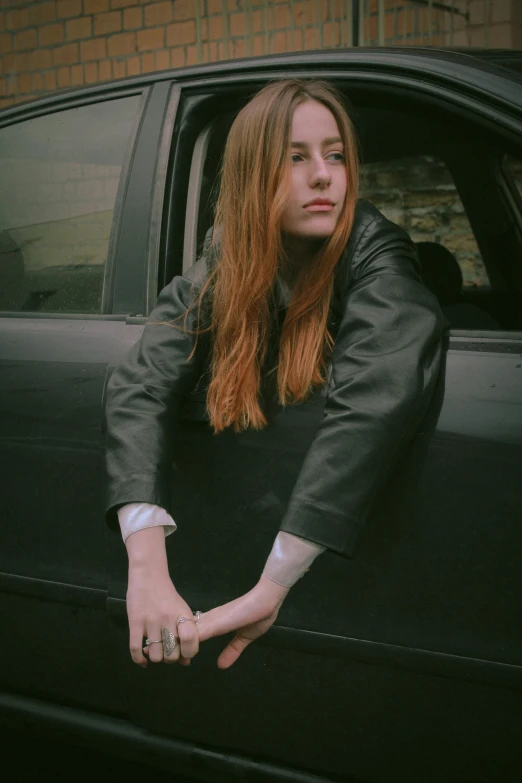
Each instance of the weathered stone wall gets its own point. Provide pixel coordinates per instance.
(419, 194)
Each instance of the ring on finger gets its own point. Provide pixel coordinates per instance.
(182, 619)
(153, 641)
(169, 641)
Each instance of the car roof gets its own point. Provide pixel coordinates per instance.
(479, 68)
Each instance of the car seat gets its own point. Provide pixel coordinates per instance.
(441, 273)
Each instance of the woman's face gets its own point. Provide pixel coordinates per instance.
(317, 172)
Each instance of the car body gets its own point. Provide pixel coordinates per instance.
(403, 663)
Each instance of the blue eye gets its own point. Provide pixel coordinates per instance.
(295, 155)
(339, 155)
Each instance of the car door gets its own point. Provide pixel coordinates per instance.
(403, 662)
(73, 201)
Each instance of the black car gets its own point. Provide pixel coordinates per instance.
(403, 663)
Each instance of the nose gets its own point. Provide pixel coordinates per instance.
(320, 172)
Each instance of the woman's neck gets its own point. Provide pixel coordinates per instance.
(299, 251)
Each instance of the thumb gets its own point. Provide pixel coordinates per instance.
(232, 651)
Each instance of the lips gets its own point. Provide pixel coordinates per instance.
(319, 202)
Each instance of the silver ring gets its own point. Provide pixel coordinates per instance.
(182, 619)
(169, 641)
(197, 615)
(153, 641)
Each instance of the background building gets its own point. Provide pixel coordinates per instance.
(48, 45)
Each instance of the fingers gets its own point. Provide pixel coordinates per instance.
(232, 651)
(135, 645)
(170, 648)
(188, 636)
(155, 648)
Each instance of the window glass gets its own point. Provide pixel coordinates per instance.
(59, 176)
(514, 169)
(418, 193)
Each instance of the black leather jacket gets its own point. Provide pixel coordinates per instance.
(384, 368)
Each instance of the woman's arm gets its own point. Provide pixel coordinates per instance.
(384, 368)
(143, 398)
(385, 365)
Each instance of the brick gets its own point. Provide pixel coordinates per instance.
(133, 66)
(66, 55)
(5, 43)
(64, 77)
(17, 20)
(3, 87)
(148, 62)
(282, 17)
(50, 80)
(159, 13)
(42, 13)
(237, 24)
(78, 28)
(122, 44)
(24, 41)
(278, 42)
(151, 39)
(105, 70)
(11, 84)
(90, 72)
(124, 3)
(95, 6)
(500, 36)
(95, 49)
(177, 57)
(331, 34)
(39, 60)
(107, 23)
(476, 12)
(37, 82)
(182, 33)
(14, 63)
(191, 55)
(257, 22)
(162, 60)
(67, 8)
(213, 7)
(77, 75)
(2, 21)
(184, 9)
(118, 68)
(259, 40)
(239, 48)
(5, 102)
(132, 18)
(50, 34)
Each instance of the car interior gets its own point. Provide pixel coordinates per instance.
(394, 128)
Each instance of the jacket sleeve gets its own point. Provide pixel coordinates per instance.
(143, 396)
(385, 364)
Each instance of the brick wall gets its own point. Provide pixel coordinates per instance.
(48, 45)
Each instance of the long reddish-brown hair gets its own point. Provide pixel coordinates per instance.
(247, 239)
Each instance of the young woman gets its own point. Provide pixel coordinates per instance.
(290, 237)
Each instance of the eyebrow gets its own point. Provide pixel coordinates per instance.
(325, 143)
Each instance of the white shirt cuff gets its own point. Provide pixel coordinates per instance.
(138, 516)
(290, 558)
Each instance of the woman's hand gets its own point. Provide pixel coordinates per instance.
(153, 602)
(251, 616)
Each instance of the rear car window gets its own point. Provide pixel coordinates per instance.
(60, 174)
(419, 194)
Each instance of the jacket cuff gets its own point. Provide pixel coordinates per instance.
(322, 526)
(136, 489)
